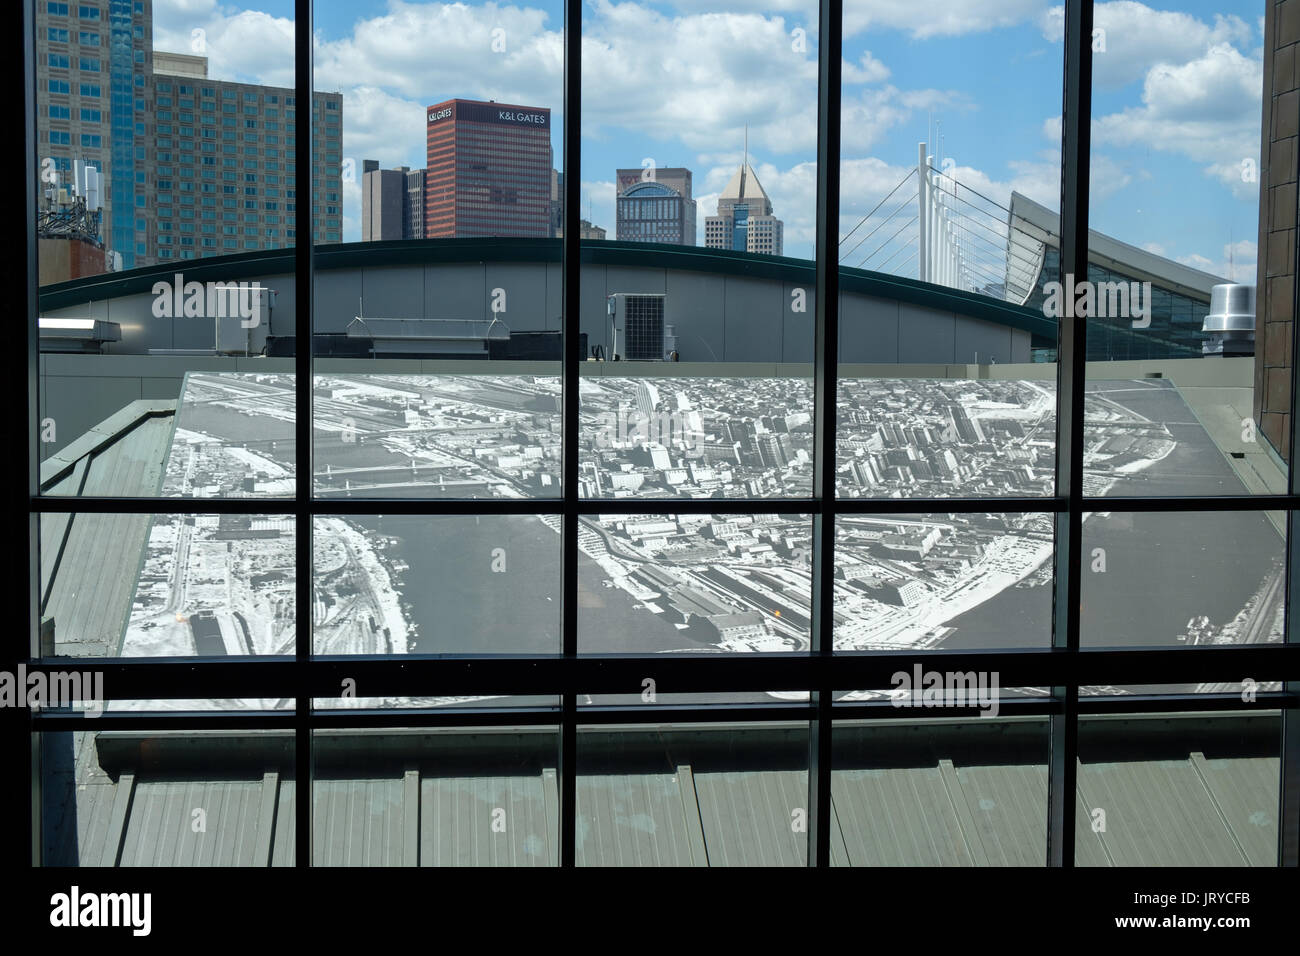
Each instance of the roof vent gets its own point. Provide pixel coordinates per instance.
(1230, 326)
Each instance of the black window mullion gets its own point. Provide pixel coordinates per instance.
(1076, 112)
(825, 377)
(18, 750)
(305, 115)
(570, 268)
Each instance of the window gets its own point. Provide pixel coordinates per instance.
(782, 543)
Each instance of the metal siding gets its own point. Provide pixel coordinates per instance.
(1158, 813)
(457, 816)
(357, 822)
(633, 820)
(695, 306)
(748, 817)
(454, 291)
(925, 335)
(394, 292)
(753, 321)
(868, 330)
(898, 817)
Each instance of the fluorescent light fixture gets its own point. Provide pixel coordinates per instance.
(84, 325)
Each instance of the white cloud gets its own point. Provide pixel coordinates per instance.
(246, 46)
(1207, 110)
(867, 70)
(1138, 37)
(1238, 262)
(949, 18)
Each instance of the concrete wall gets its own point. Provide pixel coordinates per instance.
(718, 318)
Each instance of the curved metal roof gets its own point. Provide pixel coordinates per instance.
(646, 255)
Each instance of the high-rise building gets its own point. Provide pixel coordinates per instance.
(413, 214)
(647, 399)
(383, 202)
(744, 221)
(392, 202)
(489, 170)
(226, 172)
(189, 166)
(94, 59)
(557, 203)
(655, 208)
(968, 429)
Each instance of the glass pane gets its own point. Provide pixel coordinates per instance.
(446, 797)
(940, 792)
(1190, 272)
(448, 584)
(166, 145)
(438, 335)
(167, 585)
(701, 583)
(1178, 790)
(712, 396)
(167, 798)
(1167, 579)
(968, 581)
(693, 795)
(947, 375)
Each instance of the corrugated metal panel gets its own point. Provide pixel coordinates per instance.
(193, 823)
(132, 465)
(636, 820)
(749, 816)
(899, 816)
(95, 582)
(1008, 809)
(357, 822)
(284, 846)
(485, 821)
(77, 800)
(1158, 813)
(1246, 792)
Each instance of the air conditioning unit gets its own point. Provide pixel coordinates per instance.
(637, 329)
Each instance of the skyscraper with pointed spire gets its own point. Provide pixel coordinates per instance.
(744, 221)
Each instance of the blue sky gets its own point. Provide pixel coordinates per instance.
(1176, 98)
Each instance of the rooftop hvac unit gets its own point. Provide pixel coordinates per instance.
(637, 329)
(1230, 326)
(241, 318)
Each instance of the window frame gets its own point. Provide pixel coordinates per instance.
(1064, 666)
